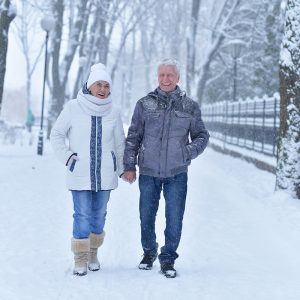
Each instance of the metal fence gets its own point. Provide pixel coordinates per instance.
(251, 124)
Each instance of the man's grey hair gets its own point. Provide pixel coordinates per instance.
(170, 62)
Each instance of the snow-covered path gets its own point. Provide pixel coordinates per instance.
(240, 240)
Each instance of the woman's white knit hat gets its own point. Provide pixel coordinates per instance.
(98, 72)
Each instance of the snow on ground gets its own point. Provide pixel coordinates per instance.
(240, 239)
(268, 159)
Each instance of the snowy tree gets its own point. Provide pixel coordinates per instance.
(62, 53)
(148, 30)
(99, 21)
(215, 27)
(83, 58)
(191, 44)
(266, 47)
(103, 18)
(127, 75)
(26, 28)
(162, 35)
(7, 14)
(136, 12)
(288, 163)
(90, 26)
(259, 24)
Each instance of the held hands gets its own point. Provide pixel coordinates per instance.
(129, 176)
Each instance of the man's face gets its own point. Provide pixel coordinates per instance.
(167, 78)
(100, 89)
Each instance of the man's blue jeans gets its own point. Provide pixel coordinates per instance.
(174, 190)
(89, 212)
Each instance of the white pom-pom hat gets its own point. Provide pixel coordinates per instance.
(98, 72)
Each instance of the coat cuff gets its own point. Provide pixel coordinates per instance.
(129, 168)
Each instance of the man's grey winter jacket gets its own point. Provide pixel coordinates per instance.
(166, 133)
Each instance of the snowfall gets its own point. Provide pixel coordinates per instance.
(240, 240)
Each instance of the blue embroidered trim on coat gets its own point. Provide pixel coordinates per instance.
(99, 151)
(93, 153)
(96, 153)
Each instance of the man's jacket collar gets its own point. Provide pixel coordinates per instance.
(158, 93)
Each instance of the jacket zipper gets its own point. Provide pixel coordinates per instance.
(96, 153)
(168, 129)
(161, 142)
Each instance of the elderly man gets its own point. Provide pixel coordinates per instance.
(166, 133)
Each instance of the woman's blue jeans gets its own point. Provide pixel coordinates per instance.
(89, 212)
(174, 190)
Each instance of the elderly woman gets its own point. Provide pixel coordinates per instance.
(94, 160)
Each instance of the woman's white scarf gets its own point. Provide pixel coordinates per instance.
(94, 106)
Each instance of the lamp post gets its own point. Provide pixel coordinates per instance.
(47, 23)
(236, 48)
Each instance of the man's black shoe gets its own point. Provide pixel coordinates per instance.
(168, 270)
(147, 262)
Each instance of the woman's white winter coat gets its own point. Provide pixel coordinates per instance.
(98, 142)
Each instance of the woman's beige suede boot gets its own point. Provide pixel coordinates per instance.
(80, 248)
(96, 240)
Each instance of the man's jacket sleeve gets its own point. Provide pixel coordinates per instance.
(198, 133)
(134, 138)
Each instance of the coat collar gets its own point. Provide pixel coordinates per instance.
(160, 94)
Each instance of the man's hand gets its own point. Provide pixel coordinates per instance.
(129, 176)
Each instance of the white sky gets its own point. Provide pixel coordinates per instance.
(15, 76)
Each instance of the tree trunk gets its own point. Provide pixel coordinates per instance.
(81, 74)
(58, 91)
(288, 158)
(60, 71)
(191, 46)
(6, 16)
(205, 69)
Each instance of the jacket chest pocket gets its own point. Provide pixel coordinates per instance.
(152, 123)
(180, 124)
(182, 119)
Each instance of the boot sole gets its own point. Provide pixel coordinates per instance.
(169, 275)
(94, 270)
(141, 267)
(79, 274)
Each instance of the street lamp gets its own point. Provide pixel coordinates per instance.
(47, 24)
(236, 49)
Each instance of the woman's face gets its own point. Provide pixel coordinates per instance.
(100, 89)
